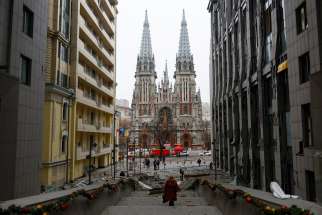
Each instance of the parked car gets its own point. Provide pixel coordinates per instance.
(205, 153)
(184, 153)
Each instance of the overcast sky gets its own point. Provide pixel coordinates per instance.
(165, 19)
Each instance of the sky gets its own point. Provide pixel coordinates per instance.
(165, 23)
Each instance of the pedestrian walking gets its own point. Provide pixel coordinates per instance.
(170, 191)
(199, 161)
(181, 174)
(155, 164)
(148, 163)
(158, 164)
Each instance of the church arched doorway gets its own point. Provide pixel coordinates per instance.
(186, 140)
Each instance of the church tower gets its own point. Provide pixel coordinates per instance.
(188, 106)
(145, 76)
(185, 85)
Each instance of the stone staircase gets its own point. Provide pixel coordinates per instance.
(141, 203)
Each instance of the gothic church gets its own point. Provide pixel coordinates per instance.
(166, 114)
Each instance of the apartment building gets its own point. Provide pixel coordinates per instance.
(266, 92)
(92, 62)
(59, 98)
(23, 27)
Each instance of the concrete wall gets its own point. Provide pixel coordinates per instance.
(257, 131)
(304, 93)
(21, 120)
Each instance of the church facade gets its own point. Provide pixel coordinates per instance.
(166, 113)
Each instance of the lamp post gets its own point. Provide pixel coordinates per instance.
(116, 113)
(91, 145)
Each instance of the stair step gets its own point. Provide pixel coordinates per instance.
(161, 210)
(151, 200)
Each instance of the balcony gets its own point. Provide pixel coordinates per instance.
(97, 104)
(94, 82)
(97, 127)
(94, 62)
(101, 21)
(88, 34)
(110, 7)
(97, 7)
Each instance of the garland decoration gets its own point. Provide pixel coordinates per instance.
(60, 204)
(249, 199)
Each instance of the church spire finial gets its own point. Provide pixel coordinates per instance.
(183, 18)
(184, 45)
(165, 73)
(146, 20)
(146, 45)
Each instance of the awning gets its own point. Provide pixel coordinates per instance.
(282, 67)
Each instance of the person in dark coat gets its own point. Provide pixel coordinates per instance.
(199, 161)
(155, 164)
(170, 191)
(181, 174)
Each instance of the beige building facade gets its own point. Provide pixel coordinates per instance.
(59, 98)
(80, 89)
(93, 43)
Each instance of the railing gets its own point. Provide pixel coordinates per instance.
(96, 127)
(80, 97)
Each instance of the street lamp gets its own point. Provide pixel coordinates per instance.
(89, 157)
(116, 113)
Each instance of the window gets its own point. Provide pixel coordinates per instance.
(25, 70)
(304, 67)
(58, 77)
(64, 80)
(92, 94)
(65, 111)
(307, 125)
(28, 21)
(63, 54)
(92, 117)
(268, 35)
(63, 143)
(301, 18)
(64, 18)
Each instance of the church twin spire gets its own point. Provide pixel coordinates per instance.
(184, 45)
(146, 45)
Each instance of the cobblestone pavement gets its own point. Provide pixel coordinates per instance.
(171, 167)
